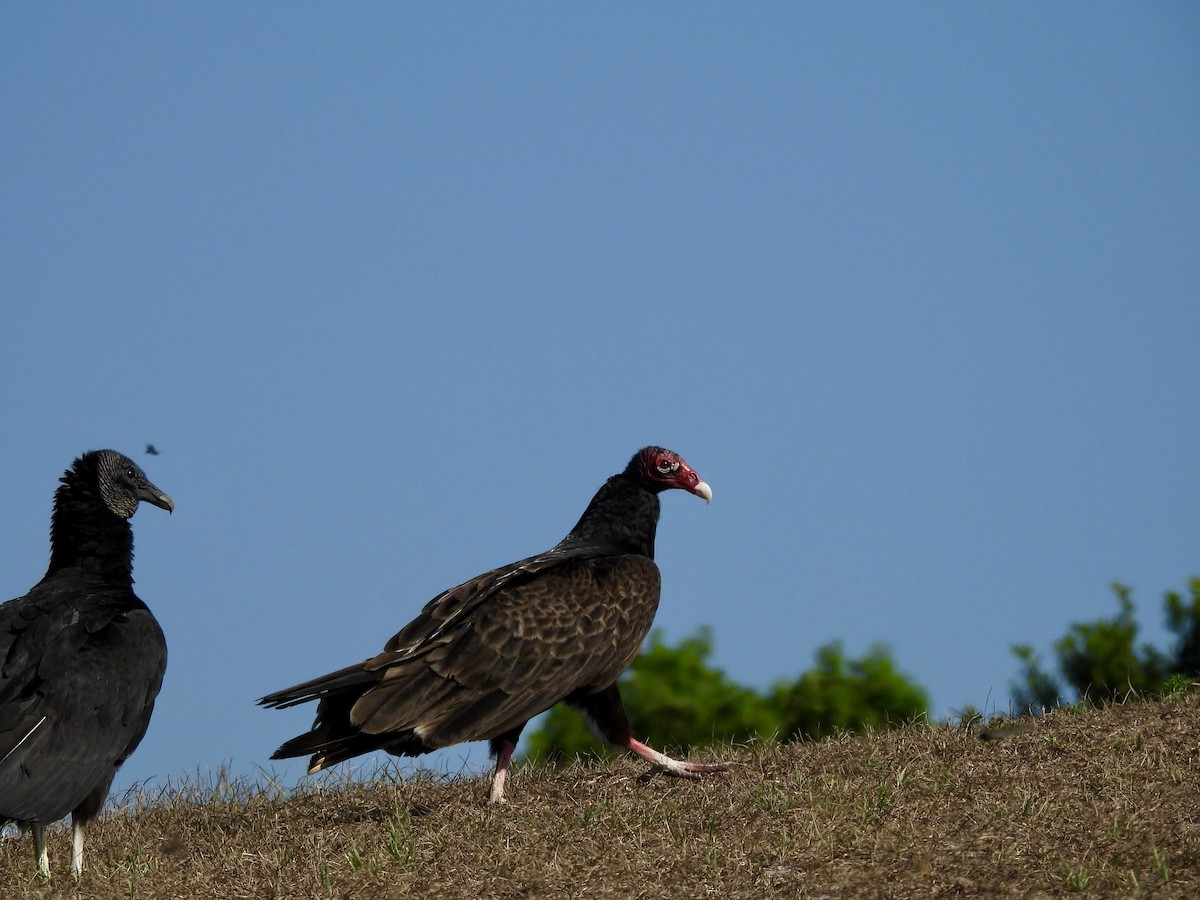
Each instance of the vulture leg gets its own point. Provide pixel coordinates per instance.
(503, 748)
(81, 815)
(39, 848)
(77, 826)
(606, 714)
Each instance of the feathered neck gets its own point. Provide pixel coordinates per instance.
(85, 534)
(622, 518)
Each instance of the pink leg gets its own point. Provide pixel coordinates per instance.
(606, 714)
(677, 768)
(503, 758)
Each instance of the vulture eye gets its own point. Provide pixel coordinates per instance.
(668, 466)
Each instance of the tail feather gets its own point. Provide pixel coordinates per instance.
(333, 738)
(317, 688)
(327, 751)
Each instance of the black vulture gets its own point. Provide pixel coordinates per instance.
(81, 657)
(486, 656)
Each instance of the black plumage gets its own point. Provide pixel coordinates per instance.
(486, 656)
(81, 657)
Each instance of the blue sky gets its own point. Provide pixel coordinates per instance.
(394, 288)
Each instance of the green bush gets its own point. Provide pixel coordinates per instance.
(841, 694)
(1101, 660)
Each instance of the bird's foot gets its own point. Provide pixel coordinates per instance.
(679, 769)
(661, 764)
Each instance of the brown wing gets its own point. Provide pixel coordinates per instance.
(468, 670)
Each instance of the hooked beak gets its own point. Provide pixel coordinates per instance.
(151, 494)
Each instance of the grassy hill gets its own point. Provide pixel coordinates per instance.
(1086, 802)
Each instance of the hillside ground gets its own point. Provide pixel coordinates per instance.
(1083, 802)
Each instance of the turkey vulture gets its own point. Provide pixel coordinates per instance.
(81, 657)
(486, 656)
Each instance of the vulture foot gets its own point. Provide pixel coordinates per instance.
(661, 764)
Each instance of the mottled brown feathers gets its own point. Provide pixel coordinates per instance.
(579, 624)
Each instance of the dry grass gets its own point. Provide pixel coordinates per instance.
(1094, 803)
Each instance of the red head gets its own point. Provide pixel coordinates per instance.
(659, 469)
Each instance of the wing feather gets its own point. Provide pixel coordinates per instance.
(77, 697)
(488, 655)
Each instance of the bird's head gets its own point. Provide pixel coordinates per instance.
(658, 469)
(122, 483)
